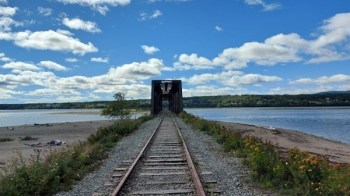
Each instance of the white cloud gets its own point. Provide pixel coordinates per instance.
(79, 24)
(193, 61)
(271, 52)
(208, 91)
(266, 6)
(45, 11)
(6, 23)
(144, 16)
(8, 11)
(4, 58)
(207, 77)
(149, 49)
(250, 79)
(53, 65)
(138, 70)
(278, 49)
(218, 28)
(20, 66)
(331, 45)
(156, 14)
(99, 60)
(338, 78)
(232, 78)
(98, 5)
(71, 60)
(336, 32)
(49, 40)
(3, 1)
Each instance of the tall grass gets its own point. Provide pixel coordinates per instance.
(57, 171)
(292, 173)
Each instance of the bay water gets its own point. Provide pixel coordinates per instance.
(327, 122)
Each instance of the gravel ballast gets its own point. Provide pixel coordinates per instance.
(228, 171)
(124, 150)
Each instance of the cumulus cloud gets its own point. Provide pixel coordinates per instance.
(149, 49)
(52, 65)
(20, 66)
(100, 6)
(208, 91)
(138, 70)
(193, 61)
(338, 78)
(6, 23)
(99, 60)
(125, 78)
(332, 44)
(275, 50)
(79, 24)
(4, 58)
(266, 6)
(48, 40)
(335, 34)
(232, 78)
(8, 11)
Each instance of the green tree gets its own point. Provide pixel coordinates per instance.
(117, 109)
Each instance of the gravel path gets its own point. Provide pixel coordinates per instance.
(124, 150)
(228, 171)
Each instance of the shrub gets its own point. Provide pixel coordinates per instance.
(295, 173)
(59, 169)
(5, 139)
(27, 138)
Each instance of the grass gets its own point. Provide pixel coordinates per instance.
(293, 173)
(59, 169)
(6, 139)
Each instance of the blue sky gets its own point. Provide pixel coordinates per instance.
(86, 50)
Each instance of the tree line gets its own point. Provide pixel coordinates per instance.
(341, 99)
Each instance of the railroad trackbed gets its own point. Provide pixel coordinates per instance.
(163, 167)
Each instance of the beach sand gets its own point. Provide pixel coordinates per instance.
(286, 139)
(69, 132)
(78, 131)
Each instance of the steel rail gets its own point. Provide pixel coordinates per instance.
(196, 180)
(131, 168)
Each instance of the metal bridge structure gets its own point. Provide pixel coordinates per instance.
(166, 94)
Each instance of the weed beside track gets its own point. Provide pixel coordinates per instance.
(296, 172)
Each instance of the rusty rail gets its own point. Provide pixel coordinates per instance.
(196, 181)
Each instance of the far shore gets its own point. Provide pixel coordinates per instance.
(285, 139)
(73, 132)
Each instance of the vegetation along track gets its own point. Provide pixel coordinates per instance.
(163, 167)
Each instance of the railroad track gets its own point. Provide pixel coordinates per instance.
(163, 167)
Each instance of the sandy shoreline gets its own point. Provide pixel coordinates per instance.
(286, 139)
(69, 132)
(72, 132)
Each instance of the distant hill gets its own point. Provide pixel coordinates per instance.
(333, 92)
(334, 98)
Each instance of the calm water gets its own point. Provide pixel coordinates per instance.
(328, 122)
(22, 117)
